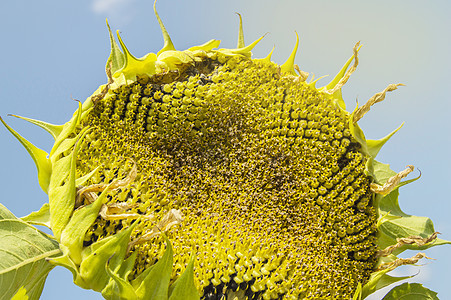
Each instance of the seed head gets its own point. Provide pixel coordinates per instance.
(207, 173)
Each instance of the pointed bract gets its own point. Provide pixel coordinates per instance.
(240, 43)
(341, 73)
(40, 217)
(53, 129)
(168, 45)
(374, 146)
(183, 287)
(39, 157)
(154, 282)
(288, 66)
(116, 60)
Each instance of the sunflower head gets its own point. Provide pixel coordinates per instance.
(206, 173)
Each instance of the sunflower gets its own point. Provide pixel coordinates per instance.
(206, 173)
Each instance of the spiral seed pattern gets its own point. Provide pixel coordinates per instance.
(263, 167)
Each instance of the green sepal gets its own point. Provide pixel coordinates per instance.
(340, 74)
(358, 134)
(208, 46)
(153, 283)
(65, 261)
(83, 179)
(40, 217)
(183, 287)
(245, 51)
(53, 129)
(118, 288)
(68, 128)
(312, 83)
(88, 275)
(288, 66)
(379, 280)
(66, 144)
(82, 219)
(127, 266)
(116, 60)
(337, 95)
(168, 45)
(392, 229)
(134, 66)
(62, 189)
(396, 223)
(382, 172)
(172, 59)
(39, 157)
(61, 194)
(374, 146)
(358, 292)
(340, 102)
(410, 291)
(266, 59)
(92, 274)
(385, 217)
(240, 43)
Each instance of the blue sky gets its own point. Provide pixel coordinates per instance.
(53, 51)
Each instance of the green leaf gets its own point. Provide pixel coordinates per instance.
(382, 172)
(405, 227)
(23, 253)
(40, 217)
(183, 287)
(410, 291)
(392, 226)
(379, 280)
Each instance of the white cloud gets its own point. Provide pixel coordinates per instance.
(110, 7)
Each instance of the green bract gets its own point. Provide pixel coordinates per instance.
(207, 174)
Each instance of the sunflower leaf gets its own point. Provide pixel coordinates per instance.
(379, 280)
(410, 291)
(23, 253)
(40, 217)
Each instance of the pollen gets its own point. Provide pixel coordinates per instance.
(262, 167)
